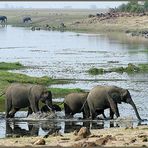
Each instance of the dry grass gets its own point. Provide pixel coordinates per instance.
(53, 17)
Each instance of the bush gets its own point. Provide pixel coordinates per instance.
(133, 7)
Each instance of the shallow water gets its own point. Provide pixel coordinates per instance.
(22, 126)
(68, 55)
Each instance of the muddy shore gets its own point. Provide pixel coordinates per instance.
(120, 137)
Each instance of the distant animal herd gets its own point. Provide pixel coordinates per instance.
(3, 19)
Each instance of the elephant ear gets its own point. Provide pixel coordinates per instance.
(116, 97)
(124, 93)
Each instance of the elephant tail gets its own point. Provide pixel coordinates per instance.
(83, 105)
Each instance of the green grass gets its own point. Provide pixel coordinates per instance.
(143, 67)
(95, 71)
(62, 92)
(56, 92)
(22, 78)
(6, 78)
(131, 68)
(11, 66)
(139, 51)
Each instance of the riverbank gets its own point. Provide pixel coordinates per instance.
(120, 137)
(77, 20)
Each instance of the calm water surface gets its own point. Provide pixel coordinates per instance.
(68, 55)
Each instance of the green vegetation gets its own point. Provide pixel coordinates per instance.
(11, 66)
(131, 68)
(143, 67)
(6, 78)
(95, 71)
(62, 92)
(133, 6)
(139, 51)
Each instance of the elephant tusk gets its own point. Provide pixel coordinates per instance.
(49, 107)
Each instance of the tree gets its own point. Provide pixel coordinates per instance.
(146, 6)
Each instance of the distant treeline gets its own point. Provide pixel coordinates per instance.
(134, 6)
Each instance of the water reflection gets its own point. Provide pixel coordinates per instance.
(3, 25)
(19, 129)
(15, 128)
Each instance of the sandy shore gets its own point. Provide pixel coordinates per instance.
(125, 137)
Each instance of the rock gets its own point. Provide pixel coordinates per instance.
(103, 141)
(39, 142)
(133, 140)
(84, 132)
(89, 144)
(64, 138)
(75, 133)
(145, 139)
(84, 144)
(92, 136)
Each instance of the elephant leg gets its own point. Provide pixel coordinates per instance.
(13, 111)
(29, 111)
(104, 115)
(8, 107)
(34, 106)
(92, 112)
(111, 114)
(86, 111)
(67, 109)
(116, 113)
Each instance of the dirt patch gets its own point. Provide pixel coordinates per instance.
(136, 137)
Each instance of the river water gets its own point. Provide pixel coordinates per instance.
(68, 55)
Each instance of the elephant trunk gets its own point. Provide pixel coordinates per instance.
(49, 104)
(135, 109)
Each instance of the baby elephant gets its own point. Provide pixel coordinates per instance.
(73, 103)
(45, 108)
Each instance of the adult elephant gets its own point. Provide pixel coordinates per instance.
(3, 19)
(26, 19)
(76, 103)
(103, 97)
(26, 95)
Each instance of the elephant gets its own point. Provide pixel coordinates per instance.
(55, 107)
(26, 19)
(76, 103)
(26, 95)
(73, 103)
(103, 97)
(3, 19)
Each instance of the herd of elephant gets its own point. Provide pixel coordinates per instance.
(3, 19)
(91, 104)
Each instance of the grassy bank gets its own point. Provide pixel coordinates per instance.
(131, 68)
(6, 78)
